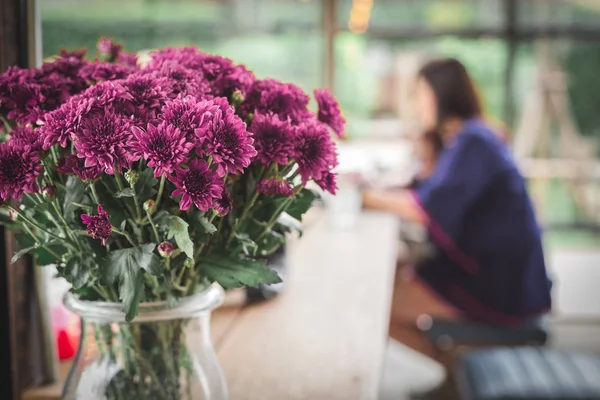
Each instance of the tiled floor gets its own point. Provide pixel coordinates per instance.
(577, 306)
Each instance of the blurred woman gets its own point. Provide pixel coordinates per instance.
(489, 264)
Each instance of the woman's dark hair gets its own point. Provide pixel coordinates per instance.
(453, 88)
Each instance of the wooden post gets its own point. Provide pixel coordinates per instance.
(26, 342)
(510, 8)
(330, 27)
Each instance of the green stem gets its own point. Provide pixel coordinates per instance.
(6, 124)
(118, 178)
(54, 154)
(294, 175)
(48, 173)
(161, 187)
(242, 218)
(153, 228)
(94, 193)
(102, 292)
(136, 201)
(35, 238)
(274, 217)
(115, 230)
(67, 228)
(38, 227)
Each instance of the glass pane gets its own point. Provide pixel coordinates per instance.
(536, 13)
(382, 72)
(279, 39)
(421, 14)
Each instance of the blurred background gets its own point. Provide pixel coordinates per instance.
(518, 51)
(536, 64)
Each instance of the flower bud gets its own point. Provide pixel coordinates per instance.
(49, 192)
(237, 98)
(165, 249)
(132, 177)
(149, 206)
(13, 215)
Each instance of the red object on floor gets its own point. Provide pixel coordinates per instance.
(66, 350)
(66, 331)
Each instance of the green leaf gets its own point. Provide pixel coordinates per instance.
(87, 208)
(74, 188)
(251, 180)
(126, 267)
(178, 229)
(30, 249)
(115, 208)
(77, 270)
(205, 224)
(302, 202)
(247, 245)
(127, 192)
(233, 272)
(131, 292)
(145, 185)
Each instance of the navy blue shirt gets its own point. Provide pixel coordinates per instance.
(490, 262)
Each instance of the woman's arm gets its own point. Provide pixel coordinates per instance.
(400, 203)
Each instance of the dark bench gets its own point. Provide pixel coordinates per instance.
(531, 373)
(446, 334)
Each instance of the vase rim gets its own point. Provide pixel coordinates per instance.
(186, 307)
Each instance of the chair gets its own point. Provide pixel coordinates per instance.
(528, 373)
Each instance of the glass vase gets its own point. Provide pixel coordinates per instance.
(165, 353)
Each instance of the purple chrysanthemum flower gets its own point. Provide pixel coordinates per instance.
(64, 73)
(98, 225)
(129, 59)
(27, 136)
(284, 99)
(274, 187)
(21, 95)
(108, 47)
(19, 168)
(328, 182)
(274, 139)
(148, 95)
(225, 139)
(329, 111)
(182, 82)
(187, 57)
(224, 204)
(105, 94)
(223, 104)
(105, 71)
(60, 125)
(164, 146)
(315, 151)
(212, 65)
(198, 185)
(231, 79)
(188, 114)
(105, 140)
(72, 164)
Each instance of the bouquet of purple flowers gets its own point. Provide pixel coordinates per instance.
(149, 183)
(183, 165)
